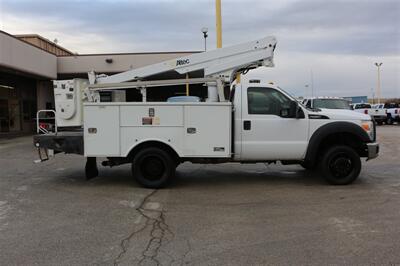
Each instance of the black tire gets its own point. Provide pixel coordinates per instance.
(340, 165)
(153, 167)
(389, 120)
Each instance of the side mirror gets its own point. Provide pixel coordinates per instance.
(292, 111)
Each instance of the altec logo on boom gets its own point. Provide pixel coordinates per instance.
(182, 62)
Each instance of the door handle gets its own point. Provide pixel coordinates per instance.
(247, 125)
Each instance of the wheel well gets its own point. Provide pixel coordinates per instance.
(157, 144)
(344, 138)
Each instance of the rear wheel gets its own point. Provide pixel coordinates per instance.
(340, 165)
(153, 167)
(389, 120)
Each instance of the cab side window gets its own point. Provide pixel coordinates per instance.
(266, 101)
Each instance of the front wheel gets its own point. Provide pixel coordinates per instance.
(340, 165)
(153, 167)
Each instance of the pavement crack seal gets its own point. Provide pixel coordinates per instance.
(189, 249)
(158, 233)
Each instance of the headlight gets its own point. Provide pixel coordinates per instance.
(368, 126)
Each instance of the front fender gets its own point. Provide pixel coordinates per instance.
(331, 129)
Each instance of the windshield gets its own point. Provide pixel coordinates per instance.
(331, 104)
(288, 94)
(362, 106)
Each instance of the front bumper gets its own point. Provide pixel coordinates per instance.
(379, 118)
(373, 150)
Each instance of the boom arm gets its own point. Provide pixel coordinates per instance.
(223, 63)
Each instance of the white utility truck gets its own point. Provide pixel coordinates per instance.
(239, 122)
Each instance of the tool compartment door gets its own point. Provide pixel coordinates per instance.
(207, 130)
(101, 130)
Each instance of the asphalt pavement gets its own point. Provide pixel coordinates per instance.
(229, 214)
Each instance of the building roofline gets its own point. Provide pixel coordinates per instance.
(13, 36)
(43, 39)
(95, 54)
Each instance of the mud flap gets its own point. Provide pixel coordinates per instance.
(91, 170)
(44, 154)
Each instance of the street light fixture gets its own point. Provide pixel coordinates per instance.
(204, 30)
(378, 87)
(307, 86)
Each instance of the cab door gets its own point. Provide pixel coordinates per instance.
(268, 130)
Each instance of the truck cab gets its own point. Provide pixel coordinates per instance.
(269, 124)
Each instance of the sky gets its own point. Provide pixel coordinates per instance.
(330, 46)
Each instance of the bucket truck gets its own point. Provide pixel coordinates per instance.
(254, 122)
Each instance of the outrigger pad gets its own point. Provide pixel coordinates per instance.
(91, 170)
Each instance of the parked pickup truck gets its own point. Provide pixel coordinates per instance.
(379, 115)
(392, 112)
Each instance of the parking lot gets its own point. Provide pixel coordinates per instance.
(210, 215)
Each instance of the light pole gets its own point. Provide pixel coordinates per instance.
(378, 86)
(306, 86)
(312, 82)
(373, 95)
(204, 30)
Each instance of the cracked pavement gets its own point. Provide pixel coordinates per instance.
(210, 215)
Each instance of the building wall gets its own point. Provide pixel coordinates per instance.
(357, 99)
(18, 55)
(17, 103)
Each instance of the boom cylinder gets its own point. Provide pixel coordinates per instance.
(212, 93)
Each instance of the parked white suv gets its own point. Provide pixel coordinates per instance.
(327, 103)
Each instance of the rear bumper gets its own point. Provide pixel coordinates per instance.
(373, 150)
(68, 142)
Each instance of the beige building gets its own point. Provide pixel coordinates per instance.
(28, 64)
